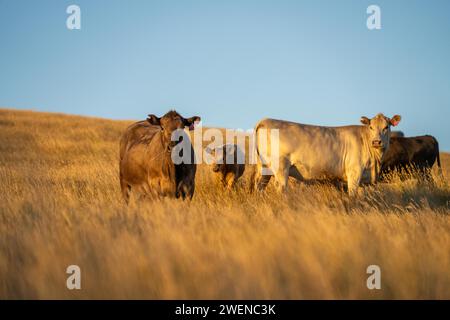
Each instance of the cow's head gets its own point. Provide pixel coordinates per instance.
(219, 155)
(379, 129)
(172, 121)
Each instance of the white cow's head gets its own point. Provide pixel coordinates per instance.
(379, 129)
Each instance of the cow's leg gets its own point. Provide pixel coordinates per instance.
(353, 181)
(125, 187)
(186, 189)
(282, 175)
(230, 180)
(425, 175)
(223, 179)
(374, 174)
(429, 175)
(169, 188)
(262, 177)
(180, 191)
(262, 182)
(191, 190)
(293, 172)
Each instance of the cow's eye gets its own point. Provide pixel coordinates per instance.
(371, 128)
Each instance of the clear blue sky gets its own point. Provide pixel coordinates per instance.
(231, 62)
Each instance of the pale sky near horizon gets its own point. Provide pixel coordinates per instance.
(231, 62)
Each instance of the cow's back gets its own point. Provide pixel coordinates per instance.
(135, 133)
(420, 152)
(397, 134)
(316, 151)
(397, 154)
(425, 151)
(139, 148)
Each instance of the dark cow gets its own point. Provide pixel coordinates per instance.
(396, 133)
(146, 164)
(411, 155)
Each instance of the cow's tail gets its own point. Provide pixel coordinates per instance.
(441, 175)
(439, 161)
(257, 168)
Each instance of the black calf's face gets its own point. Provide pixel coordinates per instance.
(219, 156)
(214, 161)
(379, 129)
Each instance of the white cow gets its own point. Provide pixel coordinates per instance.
(306, 152)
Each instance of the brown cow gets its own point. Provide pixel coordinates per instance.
(228, 171)
(146, 164)
(411, 155)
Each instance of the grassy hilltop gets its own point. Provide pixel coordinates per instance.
(61, 205)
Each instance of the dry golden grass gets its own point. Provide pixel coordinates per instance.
(61, 205)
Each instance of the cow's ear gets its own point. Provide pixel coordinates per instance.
(365, 121)
(191, 121)
(154, 120)
(395, 120)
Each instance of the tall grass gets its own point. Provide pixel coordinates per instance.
(61, 205)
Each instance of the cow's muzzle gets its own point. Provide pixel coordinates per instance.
(377, 144)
